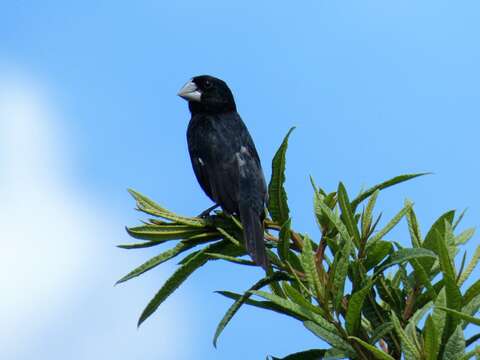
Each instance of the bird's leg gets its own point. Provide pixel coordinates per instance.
(206, 212)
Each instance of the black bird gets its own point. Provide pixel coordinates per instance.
(225, 160)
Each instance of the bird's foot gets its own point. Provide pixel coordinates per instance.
(206, 213)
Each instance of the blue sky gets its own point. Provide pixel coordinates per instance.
(375, 89)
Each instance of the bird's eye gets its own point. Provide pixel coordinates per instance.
(208, 84)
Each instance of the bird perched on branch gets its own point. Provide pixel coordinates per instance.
(225, 160)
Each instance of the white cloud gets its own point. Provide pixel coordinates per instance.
(57, 260)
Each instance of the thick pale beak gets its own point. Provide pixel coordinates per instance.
(190, 92)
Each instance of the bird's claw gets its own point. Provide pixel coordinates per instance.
(206, 213)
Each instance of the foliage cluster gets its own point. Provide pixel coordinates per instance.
(365, 296)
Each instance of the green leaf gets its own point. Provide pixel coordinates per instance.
(472, 292)
(354, 311)
(295, 308)
(461, 315)
(470, 267)
(228, 237)
(460, 218)
(377, 353)
(439, 317)
(277, 203)
(408, 346)
(403, 255)
(367, 216)
(421, 276)
(455, 347)
(299, 299)
(200, 238)
(380, 331)
(317, 324)
(414, 228)
(396, 180)
(412, 325)
(392, 223)
(157, 260)
(157, 232)
(267, 305)
(453, 295)
(239, 302)
(150, 207)
(321, 208)
(231, 259)
(284, 240)
(431, 339)
(431, 240)
(313, 354)
(465, 236)
(471, 308)
(181, 274)
(347, 214)
(330, 337)
(376, 253)
(308, 264)
(340, 271)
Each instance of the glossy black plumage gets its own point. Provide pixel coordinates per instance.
(225, 160)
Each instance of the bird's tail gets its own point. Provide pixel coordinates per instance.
(253, 234)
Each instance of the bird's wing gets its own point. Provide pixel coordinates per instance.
(213, 160)
(201, 174)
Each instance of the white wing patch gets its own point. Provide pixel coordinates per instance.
(240, 161)
(201, 161)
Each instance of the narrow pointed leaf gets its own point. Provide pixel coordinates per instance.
(431, 339)
(267, 305)
(376, 253)
(150, 207)
(470, 267)
(431, 240)
(354, 311)
(465, 236)
(368, 214)
(409, 347)
(340, 272)
(299, 299)
(380, 331)
(157, 260)
(284, 240)
(295, 308)
(414, 228)
(347, 214)
(461, 315)
(313, 354)
(396, 180)
(377, 353)
(231, 259)
(317, 324)
(452, 291)
(238, 303)
(455, 347)
(404, 255)
(181, 274)
(321, 208)
(277, 203)
(329, 336)
(472, 292)
(392, 223)
(155, 232)
(308, 264)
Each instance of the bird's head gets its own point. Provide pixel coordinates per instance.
(207, 94)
